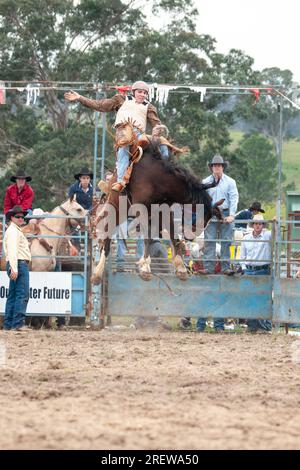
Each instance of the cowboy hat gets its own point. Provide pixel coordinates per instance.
(217, 160)
(257, 218)
(256, 206)
(20, 175)
(84, 172)
(15, 210)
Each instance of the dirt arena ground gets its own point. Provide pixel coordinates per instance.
(128, 389)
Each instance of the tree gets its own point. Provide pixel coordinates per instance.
(263, 116)
(253, 166)
(109, 42)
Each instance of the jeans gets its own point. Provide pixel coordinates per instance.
(123, 158)
(218, 324)
(18, 296)
(254, 325)
(226, 233)
(164, 151)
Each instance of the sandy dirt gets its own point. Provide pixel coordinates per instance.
(144, 390)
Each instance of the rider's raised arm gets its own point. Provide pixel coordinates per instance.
(105, 105)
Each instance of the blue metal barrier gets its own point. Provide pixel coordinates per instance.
(205, 296)
(79, 280)
(273, 297)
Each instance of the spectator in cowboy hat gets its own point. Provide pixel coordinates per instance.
(248, 214)
(226, 196)
(256, 258)
(19, 193)
(17, 260)
(83, 188)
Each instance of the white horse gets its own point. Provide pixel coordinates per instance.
(53, 226)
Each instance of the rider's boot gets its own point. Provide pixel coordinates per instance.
(103, 186)
(119, 186)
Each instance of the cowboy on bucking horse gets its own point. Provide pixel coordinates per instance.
(133, 108)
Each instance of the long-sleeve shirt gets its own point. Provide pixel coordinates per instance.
(15, 246)
(227, 190)
(14, 197)
(246, 214)
(84, 198)
(259, 253)
(113, 104)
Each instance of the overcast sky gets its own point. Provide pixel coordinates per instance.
(267, 30)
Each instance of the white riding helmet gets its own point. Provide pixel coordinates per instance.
(140, 85)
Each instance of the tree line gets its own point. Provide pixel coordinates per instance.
(113, 42)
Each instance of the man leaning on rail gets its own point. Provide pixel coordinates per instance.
(256, 261)
(225, 192)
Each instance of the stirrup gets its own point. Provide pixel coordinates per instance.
(118, 187)
(103, 186)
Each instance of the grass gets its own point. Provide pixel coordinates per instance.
(290, 157)
(290, 165)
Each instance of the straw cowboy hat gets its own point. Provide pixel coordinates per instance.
(256, 206)
(84, 172)
(218, 160)
(257, 218)
(15, 210)
(20, 175)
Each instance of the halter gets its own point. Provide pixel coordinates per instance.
(79, 221)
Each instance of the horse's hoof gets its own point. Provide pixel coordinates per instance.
(183, 276)
(145, 276)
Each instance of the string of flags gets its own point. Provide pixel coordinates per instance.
(157, 92)
(32, 93)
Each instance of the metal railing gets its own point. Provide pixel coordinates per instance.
(59, 257)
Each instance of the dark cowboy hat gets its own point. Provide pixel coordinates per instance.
(15, 210)
(84, 172)
(22, 175)
(217, 160)
(256, 206)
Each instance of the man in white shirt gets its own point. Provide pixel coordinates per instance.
(256, 258)
(226, 191)
(227, 194)
(18, 258)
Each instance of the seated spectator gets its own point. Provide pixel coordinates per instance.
(20, 193)
(256, 261)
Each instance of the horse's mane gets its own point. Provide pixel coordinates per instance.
(194, 191)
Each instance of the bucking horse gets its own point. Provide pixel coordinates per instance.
(154, 181)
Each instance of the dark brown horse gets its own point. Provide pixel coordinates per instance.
(156, 181)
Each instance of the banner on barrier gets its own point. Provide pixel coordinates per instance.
(49, 292)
